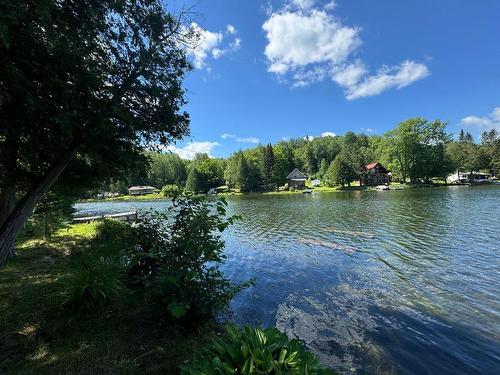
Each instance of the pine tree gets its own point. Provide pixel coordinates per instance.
(244, 174)
(269, 163)
(461, 137)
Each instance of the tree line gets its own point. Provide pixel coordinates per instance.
(416, 150)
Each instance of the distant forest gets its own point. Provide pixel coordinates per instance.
(415, 151)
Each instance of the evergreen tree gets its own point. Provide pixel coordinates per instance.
(461, 137)
(342, 170)
(269, 166)
(244, 174)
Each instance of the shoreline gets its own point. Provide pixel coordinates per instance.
(321, 189)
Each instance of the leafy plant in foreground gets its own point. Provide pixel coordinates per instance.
(96, 280)
(176, 257)
(255, 351)
(98, 270)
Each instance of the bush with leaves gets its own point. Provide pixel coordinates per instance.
(255, 351)
(171, 190)
(176, 257)
(99, 272)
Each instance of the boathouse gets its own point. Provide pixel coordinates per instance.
(141, 190)
(376, 174)
(296, 179)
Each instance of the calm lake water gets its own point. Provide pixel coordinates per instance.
(397, 282)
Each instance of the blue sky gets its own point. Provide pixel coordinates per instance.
(268, 70)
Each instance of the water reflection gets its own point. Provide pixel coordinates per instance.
(385, 282)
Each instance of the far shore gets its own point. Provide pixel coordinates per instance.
(236, 192)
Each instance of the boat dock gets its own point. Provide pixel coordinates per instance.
(123, 216)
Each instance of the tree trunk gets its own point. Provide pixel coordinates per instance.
(24, 208)
(7, 202)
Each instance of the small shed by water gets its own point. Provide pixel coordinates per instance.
(296, 179)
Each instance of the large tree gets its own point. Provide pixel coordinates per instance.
(84, 86)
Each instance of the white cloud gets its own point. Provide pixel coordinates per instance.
(309, 137)
(248, 140)
(227, 135)
(193, 148)
(492, 121)
(307, 44)
(330, 6)
(211, 44)
(298, 39)
(328, 134)
(386, 78)
(304, 4)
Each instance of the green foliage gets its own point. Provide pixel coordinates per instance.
(95, 280)
(171, 190)
(342, 171)
(194, 183)
(96, 81)
(175, 257)
(256, 351)
(166, 169)
(416, 149)
(52, 211)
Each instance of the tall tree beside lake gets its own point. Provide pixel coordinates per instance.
(83, 84)
(416, 149)
(269, 166)
(342, 171)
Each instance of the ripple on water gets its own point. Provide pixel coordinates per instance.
(386, 282)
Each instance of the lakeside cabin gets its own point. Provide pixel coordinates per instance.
(466, 177)
(142, 190)
(376, 174)
(296, 179)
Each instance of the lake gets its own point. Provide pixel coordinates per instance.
(395, 282)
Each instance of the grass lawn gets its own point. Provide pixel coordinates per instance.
(40, 336)
(126, 198)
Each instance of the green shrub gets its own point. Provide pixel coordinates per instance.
(176, 257)
(95, 280)
(98, 268)
(255, 351)
(292, 189)
(171, 190)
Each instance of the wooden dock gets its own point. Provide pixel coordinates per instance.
(123, 216)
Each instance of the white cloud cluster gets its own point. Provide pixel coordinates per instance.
(193, 148)
(307, 44)
(212, 44)
(492, 121)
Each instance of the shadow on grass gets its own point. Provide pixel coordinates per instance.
(38, 335)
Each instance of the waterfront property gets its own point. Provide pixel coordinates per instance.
(296, 179)
(142, 190)
(376, 174)
(464, 177)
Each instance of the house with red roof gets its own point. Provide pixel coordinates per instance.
(376, 174)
